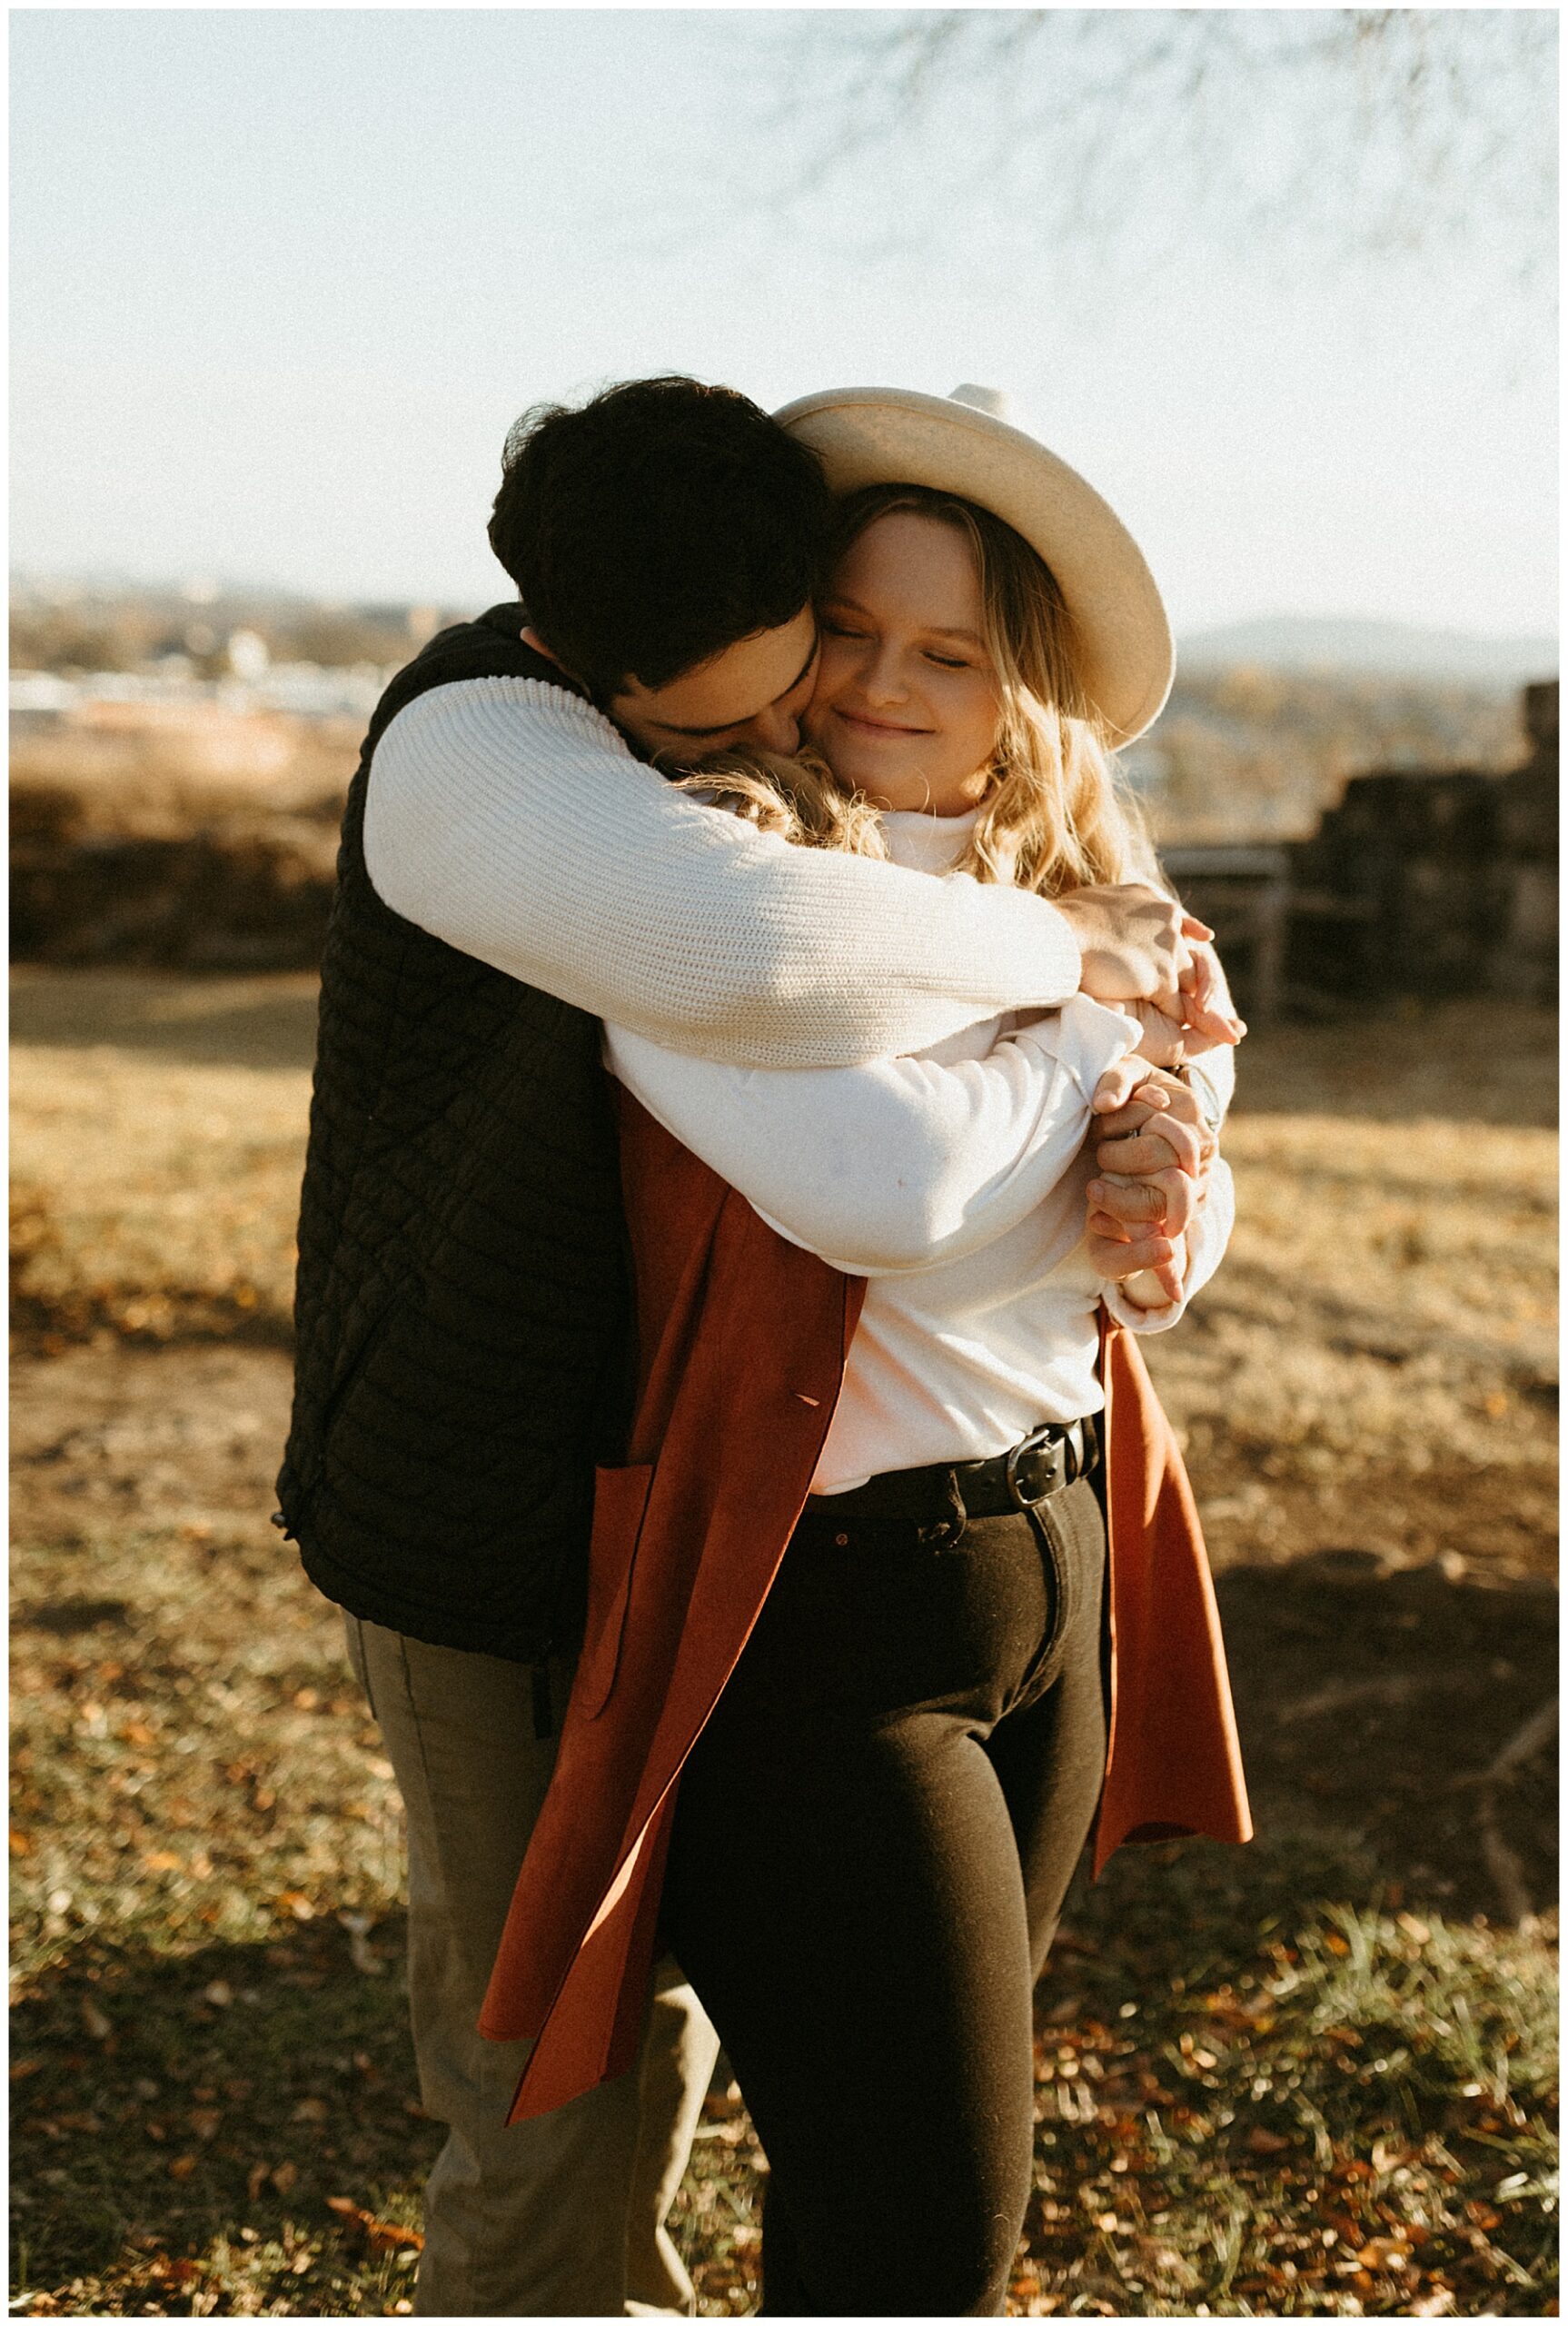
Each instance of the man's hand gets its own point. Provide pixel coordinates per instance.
(1153, 1153)
(1134, 940)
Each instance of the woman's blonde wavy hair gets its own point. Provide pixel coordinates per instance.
(799, 797)
(1055, 817)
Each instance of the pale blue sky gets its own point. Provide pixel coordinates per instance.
(282, 279)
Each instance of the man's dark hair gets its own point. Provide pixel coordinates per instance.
(655, 526)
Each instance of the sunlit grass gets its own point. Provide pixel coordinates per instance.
(1267, 2083)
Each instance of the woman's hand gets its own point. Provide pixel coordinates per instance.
(1163, 1039)
(1159, 1284)
(1153, 1157)
(1144, 1121)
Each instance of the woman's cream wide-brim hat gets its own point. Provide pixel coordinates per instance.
(959, 443)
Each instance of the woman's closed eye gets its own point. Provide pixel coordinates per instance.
(862, 637)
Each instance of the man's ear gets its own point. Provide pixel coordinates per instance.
(531, 637)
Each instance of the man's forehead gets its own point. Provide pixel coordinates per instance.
(735, 685)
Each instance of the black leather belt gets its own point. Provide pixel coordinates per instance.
(1049, 1458)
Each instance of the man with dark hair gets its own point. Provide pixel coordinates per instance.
(606, 520)
(512, 869)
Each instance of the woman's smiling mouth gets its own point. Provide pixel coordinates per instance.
(867, 726)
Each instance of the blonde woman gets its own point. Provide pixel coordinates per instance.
(849, 1586)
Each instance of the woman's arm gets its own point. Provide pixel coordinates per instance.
(891, 1167)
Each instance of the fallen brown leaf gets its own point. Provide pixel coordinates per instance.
(1384, 2253)
(382, 2236)
(284, 2176)
(182, 2166)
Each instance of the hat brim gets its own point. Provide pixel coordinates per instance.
(896, 436)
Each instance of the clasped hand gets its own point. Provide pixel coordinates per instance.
(1152, 1151)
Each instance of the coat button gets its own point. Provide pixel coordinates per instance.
(842, 1541)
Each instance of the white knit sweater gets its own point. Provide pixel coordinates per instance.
(510, 818)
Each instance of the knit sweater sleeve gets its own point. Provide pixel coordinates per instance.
(901, 1165)
(510, 819)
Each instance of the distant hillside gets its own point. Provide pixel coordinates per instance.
(1384, 649)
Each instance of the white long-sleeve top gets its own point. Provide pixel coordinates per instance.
(508, 818)
(955, 1182)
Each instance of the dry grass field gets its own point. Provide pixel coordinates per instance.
(1314, 2077)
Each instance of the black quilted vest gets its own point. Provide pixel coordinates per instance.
(460, 1306)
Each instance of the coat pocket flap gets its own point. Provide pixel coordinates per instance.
(620, 1501)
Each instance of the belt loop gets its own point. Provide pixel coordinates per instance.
(948, 1529)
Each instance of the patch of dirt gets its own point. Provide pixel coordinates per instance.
(149, 1432)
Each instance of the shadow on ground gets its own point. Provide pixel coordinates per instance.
(185, 1019)
(161, 2102)
(1411, 1707)
(1476, 1060)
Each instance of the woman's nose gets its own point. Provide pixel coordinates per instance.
(881, 677)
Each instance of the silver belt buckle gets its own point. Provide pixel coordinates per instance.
(1047, 1432)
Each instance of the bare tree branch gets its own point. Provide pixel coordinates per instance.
(1355, 130)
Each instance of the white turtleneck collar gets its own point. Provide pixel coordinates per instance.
(927, 843)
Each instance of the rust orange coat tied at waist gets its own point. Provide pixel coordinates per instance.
(743, 1339)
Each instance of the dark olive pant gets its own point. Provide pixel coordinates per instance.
(872, 1842)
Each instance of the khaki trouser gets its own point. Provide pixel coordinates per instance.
(562, 2215)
